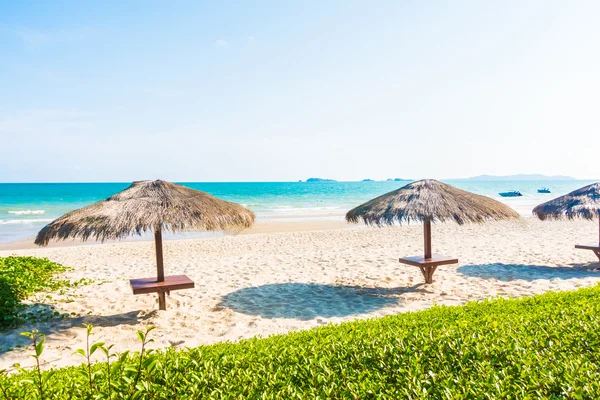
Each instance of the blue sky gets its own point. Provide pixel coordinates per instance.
(285, 90)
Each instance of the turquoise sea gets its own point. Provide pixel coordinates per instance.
(27, 207)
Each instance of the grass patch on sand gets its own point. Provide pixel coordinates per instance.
(545, 346)
(20, 278)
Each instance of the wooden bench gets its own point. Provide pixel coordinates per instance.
(152, 285)
(594, 247)
(428, 265)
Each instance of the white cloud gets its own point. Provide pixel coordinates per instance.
(221, 43)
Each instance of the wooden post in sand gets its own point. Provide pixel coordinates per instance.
(427, 235)
(160, 272)
(427, 270)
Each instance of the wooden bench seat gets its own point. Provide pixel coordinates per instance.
(151, 285)
(428, 265)
(594, 247)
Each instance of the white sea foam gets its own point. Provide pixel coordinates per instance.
(23, 221)
(26, 212)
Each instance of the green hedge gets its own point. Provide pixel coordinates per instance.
(21, 277)
(545, 346)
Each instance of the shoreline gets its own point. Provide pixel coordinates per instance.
(270, 226)
(274, 225)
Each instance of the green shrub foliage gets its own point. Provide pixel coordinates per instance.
(21, 277)
(544, 346)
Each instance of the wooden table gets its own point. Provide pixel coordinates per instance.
(152, 285)
(594, 247)
(428, 265)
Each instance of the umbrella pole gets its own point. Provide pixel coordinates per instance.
(160, 272)
(427, 270)
(427, 235)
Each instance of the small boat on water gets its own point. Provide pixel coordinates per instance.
(513, 193)
(544, 190)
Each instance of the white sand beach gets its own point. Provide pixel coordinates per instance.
(276, 282)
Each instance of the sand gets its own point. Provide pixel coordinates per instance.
(276, 282)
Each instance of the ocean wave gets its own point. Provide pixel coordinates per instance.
(23, 221)
(26, 212)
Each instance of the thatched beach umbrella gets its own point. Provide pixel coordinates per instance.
(148, 206)
(581, 203)
(429, 201)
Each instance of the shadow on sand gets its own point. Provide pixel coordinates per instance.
(55, 326)
(306, 301)
(511, 272)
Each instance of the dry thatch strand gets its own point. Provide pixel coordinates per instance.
(142, 207)
(580, 203)
(430, 200)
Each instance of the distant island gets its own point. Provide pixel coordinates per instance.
(521, 177)
(320, 180)
(368, 180)
(397, 180)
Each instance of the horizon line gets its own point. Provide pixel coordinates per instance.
(295, 181)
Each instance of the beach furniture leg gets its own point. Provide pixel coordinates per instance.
(428, 275)
(431, 271)
(427, 272)
(162, 301)
(428, 266)
(424, 272)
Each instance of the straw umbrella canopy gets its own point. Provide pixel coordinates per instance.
(148, 206)
(429, 201)
(581, 203)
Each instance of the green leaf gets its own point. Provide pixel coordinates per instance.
(95, 346)
(81, 352)
(39, 347)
